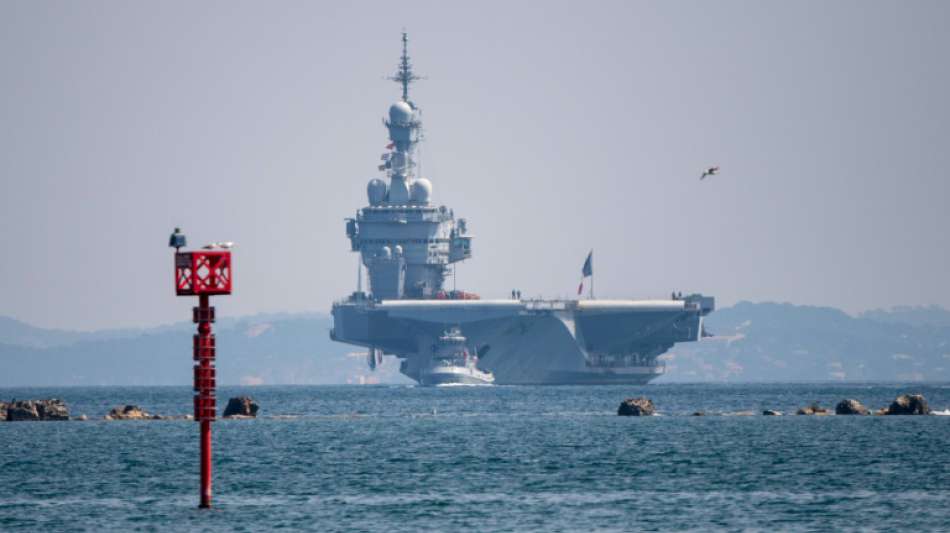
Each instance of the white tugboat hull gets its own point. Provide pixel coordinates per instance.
(452, 375)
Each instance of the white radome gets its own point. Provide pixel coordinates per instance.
(420, 191)
(376, 191)
(400, 113)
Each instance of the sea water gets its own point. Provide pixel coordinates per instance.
(504, 458)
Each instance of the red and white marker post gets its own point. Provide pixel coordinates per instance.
(204, 273)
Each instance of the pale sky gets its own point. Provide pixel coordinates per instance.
(553, 128)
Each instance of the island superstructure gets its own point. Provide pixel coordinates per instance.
(408, 245)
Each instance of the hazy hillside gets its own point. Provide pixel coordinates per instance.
(254, 350)
(784, 342)
(16, 333)
(915, 316)
(754, 342)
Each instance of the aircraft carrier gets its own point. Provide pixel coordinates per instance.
(408, 245)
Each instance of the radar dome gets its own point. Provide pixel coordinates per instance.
(420, 191)
(385, 252)
(400, 113)
(397, 250)
(376, 191)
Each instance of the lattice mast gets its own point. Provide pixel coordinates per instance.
(404, 75)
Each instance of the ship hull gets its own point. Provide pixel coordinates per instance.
(537, 342)
(601, 378)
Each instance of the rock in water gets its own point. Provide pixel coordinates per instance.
(850, 407)
(128, 412)
(813, 409)
(53, 409)
(771, 412)
(23, 410)
(241, 406)
(909, 404)
(3, 411)
(636, 407)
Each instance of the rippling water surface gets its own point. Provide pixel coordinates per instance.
(485, 459)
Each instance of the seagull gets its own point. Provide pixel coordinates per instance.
(711, 171)
(227, 245)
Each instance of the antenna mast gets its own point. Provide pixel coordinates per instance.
(404, 76)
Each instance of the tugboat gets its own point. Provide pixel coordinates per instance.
(452, 364)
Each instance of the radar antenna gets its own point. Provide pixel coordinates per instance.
(404, 75)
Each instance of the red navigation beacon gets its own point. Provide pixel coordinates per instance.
(203, 273)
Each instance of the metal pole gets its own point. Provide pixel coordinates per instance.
(205, 464)
(205, 393)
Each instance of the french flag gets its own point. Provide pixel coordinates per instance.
(586, 270)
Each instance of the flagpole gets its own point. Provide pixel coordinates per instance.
(591, 255)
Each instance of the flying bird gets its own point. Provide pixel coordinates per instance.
(711, 171)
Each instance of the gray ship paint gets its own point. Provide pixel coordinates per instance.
(406, 244)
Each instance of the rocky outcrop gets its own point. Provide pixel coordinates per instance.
(241, 407)
(850, 407)
(25, 410)
(813, 409)
(771, 412)
(636, 407)
(908, 404)
(53, 410)
(22, 411)
(128, 412)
